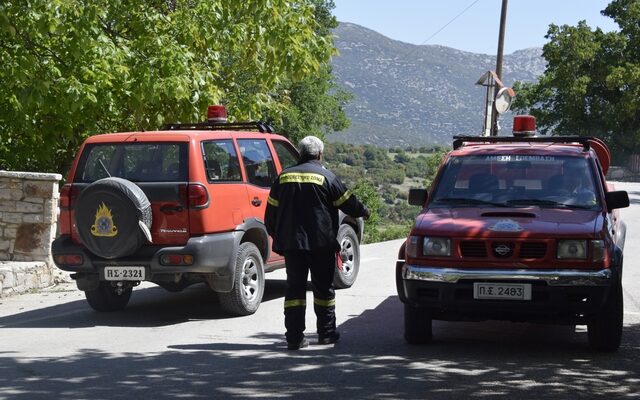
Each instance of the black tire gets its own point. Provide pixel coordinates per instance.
(417, 325)
(108, 215)
(345, 277)
(106, 298)
(248, 284)
(605, 329)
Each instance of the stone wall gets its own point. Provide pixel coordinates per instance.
(28, 216)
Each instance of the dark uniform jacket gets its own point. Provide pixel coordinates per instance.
(302, 209)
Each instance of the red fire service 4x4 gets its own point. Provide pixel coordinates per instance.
(179, 206)
(517, 228)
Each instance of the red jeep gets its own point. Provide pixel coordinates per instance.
(176, 207)
(519, 229)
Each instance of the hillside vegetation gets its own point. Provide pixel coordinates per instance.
(382, 178)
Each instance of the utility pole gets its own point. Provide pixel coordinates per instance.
(503, 22)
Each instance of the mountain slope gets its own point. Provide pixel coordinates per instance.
(406, 94)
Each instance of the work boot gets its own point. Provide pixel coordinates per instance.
(297, 345)
(329, 339)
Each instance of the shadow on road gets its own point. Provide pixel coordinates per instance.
(148, 307)
(479, 360)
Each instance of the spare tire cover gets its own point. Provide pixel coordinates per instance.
(108, 214)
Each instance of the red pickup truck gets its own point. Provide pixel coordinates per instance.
(519, 229)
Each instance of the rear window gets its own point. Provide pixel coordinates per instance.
(513, 180)
(137, 162)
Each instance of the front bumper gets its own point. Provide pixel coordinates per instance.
(562, 296)
(564, 277)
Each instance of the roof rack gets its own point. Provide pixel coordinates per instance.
(260, 126)
(459, 141)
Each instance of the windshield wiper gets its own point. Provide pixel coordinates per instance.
(545, 202)
(466, 200)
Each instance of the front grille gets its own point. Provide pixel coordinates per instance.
(473, 248)
(533, 250)
(500, 249)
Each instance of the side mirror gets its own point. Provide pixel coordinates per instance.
(417, 197)
(617, 199)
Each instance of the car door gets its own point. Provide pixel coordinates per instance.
(260, 172)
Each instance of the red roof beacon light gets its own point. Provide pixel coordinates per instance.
(217, 113)
(524, 125)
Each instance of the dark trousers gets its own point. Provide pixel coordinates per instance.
(322, 266)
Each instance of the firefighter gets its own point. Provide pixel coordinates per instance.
(302, 219)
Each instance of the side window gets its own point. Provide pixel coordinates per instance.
(221, 161)
(258, 162)
(286, 154)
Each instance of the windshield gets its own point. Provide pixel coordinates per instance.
(516, 181)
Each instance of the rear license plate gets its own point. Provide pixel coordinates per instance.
(124, 273)
(501, 291)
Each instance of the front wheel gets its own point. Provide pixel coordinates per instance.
(349, 264)
(605, 329)
(417, 325)
(108, 297)
(248, 284)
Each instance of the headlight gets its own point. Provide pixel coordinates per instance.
(436, 246)
(572, 249)
(597, 250)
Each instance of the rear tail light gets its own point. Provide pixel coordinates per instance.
(198, 196)
(69, 259)
(68, 196)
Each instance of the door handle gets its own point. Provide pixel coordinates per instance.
(171, 208)
(256, 202)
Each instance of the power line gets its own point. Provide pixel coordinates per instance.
(447, 24)
(441, 28)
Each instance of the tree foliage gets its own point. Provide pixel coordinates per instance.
(591, 86)
(73, 68)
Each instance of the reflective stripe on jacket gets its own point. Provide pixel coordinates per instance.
(302, 208)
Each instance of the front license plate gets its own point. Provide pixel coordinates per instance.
(124, 273)
(501, 291)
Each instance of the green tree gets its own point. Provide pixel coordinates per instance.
(73, 68)
(591, 86)
(314, 105)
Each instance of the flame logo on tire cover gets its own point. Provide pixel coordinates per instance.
(104, 226)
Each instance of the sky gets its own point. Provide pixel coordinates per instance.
(445, 22)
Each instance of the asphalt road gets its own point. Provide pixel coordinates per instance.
(180, 345)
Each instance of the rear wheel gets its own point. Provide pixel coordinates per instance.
(417, 324)
(248, 285)
(605, 330)
(108, 297)
(346, 274)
